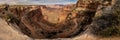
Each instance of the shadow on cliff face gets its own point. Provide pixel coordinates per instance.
(33, 24)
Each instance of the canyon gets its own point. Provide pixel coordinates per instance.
(85, 20)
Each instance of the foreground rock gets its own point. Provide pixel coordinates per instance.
(8, 33)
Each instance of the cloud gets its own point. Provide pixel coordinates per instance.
(37, 2)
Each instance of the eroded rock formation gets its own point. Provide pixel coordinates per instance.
(94, 16)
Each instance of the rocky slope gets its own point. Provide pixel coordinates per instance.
(9, 33)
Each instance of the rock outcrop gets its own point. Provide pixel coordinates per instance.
(106, 21)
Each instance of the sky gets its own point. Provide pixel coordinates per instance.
(37, 2)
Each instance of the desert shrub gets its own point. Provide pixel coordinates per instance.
(108, 24)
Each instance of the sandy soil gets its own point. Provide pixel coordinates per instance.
(7, 33)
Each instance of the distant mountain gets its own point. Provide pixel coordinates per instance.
(36, 2)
